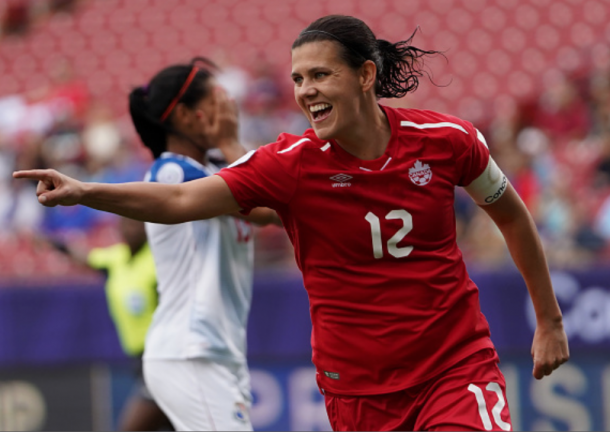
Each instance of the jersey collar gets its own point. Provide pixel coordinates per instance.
(378, 164)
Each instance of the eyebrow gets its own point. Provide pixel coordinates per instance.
(311, 70)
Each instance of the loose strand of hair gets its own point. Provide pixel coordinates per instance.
(402, 67)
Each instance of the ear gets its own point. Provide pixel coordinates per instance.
(368, 75)
(182, 114)
(207, 120)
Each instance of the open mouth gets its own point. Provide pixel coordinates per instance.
(320, 111)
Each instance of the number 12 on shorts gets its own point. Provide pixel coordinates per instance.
(496, 410)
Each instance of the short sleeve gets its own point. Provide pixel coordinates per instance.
(266, 177)
(174, 170)
(471, 163)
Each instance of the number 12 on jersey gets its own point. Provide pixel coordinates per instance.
(395, 251)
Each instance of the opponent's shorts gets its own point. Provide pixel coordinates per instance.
(200, 394)
(470, 395)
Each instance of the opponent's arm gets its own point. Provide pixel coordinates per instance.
(261, 216)
(550, 345)
(149, 202)
(224, 127)
(223, 132)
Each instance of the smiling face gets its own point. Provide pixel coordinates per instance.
(328, 90)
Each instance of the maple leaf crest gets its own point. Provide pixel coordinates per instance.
(418, 167)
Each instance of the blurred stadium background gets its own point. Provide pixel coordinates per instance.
(533, 75)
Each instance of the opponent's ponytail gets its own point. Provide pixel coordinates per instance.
(399, 65)
(152, 132)
(151, 106)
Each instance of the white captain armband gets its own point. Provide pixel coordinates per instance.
(489, 186)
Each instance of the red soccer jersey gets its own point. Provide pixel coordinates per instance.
(391, 302)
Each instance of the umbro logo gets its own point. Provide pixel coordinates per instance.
(341, 180)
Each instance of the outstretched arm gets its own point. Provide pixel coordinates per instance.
(150, 202)
(550, 345)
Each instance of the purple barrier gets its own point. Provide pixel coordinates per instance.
(64, 324)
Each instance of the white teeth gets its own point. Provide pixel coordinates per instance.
(319, 107)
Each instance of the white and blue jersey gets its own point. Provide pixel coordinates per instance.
(204, 271)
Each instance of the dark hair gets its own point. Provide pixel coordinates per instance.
(148, 104)
(398, 64)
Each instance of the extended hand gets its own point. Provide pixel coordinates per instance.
(53, 187)
(550, 348)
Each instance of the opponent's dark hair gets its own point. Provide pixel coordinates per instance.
(399, 65)
(149, 105)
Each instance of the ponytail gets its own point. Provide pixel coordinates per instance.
(401, 66)
(152, 132)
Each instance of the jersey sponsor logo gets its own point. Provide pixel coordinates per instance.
(420, 174)
(341, 180)
(241, 412)
(499, 193)
(135, 303)
(332, 375)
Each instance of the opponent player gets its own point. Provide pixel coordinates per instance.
(195, 354)
(399, 341)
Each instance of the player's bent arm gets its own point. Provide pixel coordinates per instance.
(150, 202)
(550, 345)
(517, 226)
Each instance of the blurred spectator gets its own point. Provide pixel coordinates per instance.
(600, 102)
(602, 220)
(602, 169)
(264, 115)
(482, 243)
(62, 5)
(66, 89)
(562, 113)
(16, 17)
(233, 78)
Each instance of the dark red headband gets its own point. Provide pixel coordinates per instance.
(183, 90)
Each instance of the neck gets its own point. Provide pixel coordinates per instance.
(185, 147)
(369, 137)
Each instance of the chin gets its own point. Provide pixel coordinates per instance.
(324, 133)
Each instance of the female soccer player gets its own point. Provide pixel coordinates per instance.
(195, 353)
(366, 196)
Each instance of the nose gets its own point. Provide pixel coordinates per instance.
(307, 89)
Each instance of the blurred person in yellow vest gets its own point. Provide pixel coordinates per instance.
(130, 285)
(131, 293)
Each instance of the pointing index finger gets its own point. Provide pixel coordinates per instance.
(31, 174)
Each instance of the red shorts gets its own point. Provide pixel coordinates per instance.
(470, 395)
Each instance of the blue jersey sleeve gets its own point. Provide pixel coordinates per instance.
(174, 170)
